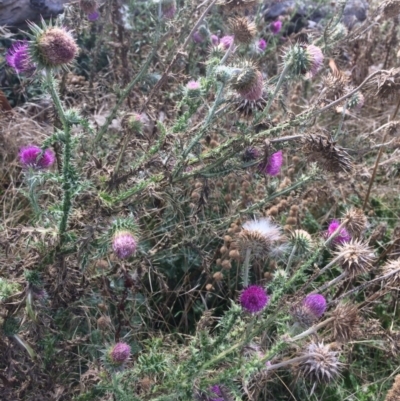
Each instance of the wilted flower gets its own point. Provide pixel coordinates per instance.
(346, 322)
(253, 299)
(321, 364)
(33, 157)
(392, 269)
(243, 30)
(260, 236)
(274, 164)
(124, 244)
(343, 235)
(275, 27)
(52, 46)
(18, 58)
(355, 221)
(119, 354)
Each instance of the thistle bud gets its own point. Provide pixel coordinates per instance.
(275, 27)
(118, 354)
(304, 59)
(193, 89)
(356, 102)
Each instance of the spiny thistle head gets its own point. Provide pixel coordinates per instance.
(326, 153)
(392, 269)
(51, 46)
(275, 27)
(355, 257)
(193, 89)
(302, 239)
(386, 85)
(33, 277)
(394, 392)
(345, 324)
(237, 4)
(248, 82)
(118, 354)
(225, 42)
(274, 164)
(33, 157)
(19, 59)
(88, 6)
(356, 221)
(303, 59)
(253, 299)
(321, 364)
(356, 102)
(390, 8)
(259, 236)
(134, 122)
(309, 310)
(343, 235)
(242, 29)
(335, 82)
(124, 244)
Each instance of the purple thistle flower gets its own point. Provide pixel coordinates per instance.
(18, 58)
(197, 37)
(32, 157)
(119, 353)
(226, 41)
(262, 44)
(94, 16)
(218, 392)
(124, 244)
(275, 27)
(214, 40)
(274, 164)
(343, 236)
(315, 304)
(254, 299)
(315, 58)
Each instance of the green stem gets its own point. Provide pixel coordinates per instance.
(278, 86)
(289, 263)
(246, 268)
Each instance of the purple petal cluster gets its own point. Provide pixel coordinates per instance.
(197, 37)
(226, 41)
(254, 91)
(124, 244)
(275, 27)
(119, 353)
(214, 40)
(315, 304)
(262, 44)
(94, 16)
(217, 391)
(32, 157)
(274, 164)
(18, 58)
(254, 299)
(342, 237)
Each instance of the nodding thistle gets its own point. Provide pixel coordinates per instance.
(51, 46)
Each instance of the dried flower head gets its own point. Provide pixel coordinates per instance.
(394, 392)
(237, 4)
(260, 236)
(274, 164)
(392, 269)
(386, 85)
(242, 29)
(355, 257)
(119, 354)
(308, 311)
(346, 322)
(356, 221)
(18, 58)
(253, 299)
(390, 8)
(340, 238)
(322, 364)
(88, 6)
(335, 82)
(275, 27)
(33, 157)
(326, 153)
(52, 46)
(124, 244)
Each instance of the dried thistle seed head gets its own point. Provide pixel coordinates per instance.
(355, 257)
(346, 322)
(386, 85)
(335, 86)
(392, 270)
(242, 29)
(232, 5)
(390, 8)
(322, 363)
(259, 236)
(394, 392)
(356, 221)
(326, 154)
